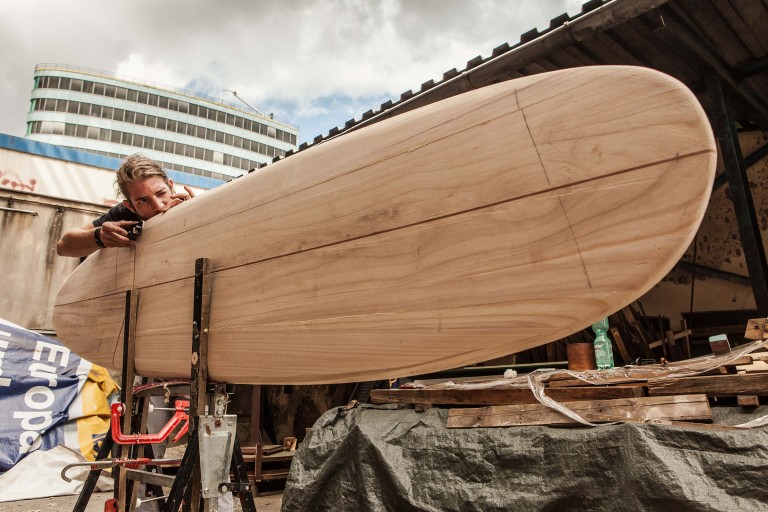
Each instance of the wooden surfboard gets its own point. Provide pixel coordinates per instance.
(472, 228)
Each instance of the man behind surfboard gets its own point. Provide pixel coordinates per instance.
(148, 191)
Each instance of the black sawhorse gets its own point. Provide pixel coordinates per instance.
(203, 474)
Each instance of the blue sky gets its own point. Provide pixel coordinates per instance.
(315, 63)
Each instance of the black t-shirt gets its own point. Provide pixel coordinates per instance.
(117, 212)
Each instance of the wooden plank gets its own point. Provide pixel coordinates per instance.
(497, 396)
(625, 356)
(757, 366)
(683, 408)
(755, 329)
(748, 400)
(716, 385)
(677, 336)
(420, 243)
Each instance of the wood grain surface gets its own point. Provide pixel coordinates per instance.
(472, 228)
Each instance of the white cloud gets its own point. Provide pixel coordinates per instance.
(303, 59)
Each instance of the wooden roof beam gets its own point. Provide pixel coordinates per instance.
(678, 36)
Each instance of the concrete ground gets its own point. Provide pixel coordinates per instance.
(270, 503)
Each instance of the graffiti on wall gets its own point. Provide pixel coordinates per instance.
(13, 181)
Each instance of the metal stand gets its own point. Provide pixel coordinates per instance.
(213, 449)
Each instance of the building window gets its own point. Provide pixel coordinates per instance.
(92, 132)
(52, 127)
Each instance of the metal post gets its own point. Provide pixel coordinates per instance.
(93, 475)
(749, 229)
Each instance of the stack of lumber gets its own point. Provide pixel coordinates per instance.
(678, 393)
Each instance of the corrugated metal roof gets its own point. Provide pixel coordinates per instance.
(687, 39)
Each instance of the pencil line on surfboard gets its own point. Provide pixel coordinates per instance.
(409, 149)
(435, 218)
(560, 199)
(463, 212)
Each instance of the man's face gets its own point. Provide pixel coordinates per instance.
(148, 197)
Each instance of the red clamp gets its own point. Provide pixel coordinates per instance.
(182, 406)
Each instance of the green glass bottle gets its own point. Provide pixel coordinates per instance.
(603, 348)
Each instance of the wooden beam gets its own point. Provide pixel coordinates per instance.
(498, 396)
(625, 356)
(716, 385)
(740, 192)
(675, 408)
(677, 336)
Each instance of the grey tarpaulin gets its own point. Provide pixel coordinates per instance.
(385, 458)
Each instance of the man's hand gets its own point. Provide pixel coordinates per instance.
(177, 199)
(114, 234)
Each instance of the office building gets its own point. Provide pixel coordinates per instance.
(103, 113)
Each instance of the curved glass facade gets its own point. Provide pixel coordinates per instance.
(103, 113)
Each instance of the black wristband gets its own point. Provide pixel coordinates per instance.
(97, 236)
